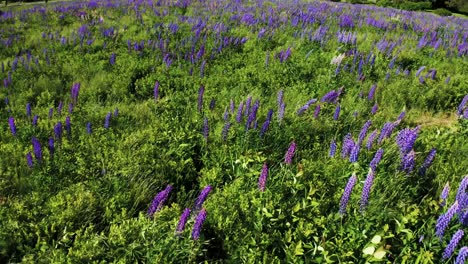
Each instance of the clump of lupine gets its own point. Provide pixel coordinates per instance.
(159, 201)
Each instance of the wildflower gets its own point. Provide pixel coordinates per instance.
(107, 120)
(427, 162)
(225, 131)
(182, 221)
(462, 105)
(353, 157)
(386, 132)
(376, 160)
(206, 129)
(280, 97)
(263, 178)
(58, 130)
(201, 91)
(366, 190)
(374, 109)
(212, 104)
(444, 194)
(198, 224)
(347, 146)
(347, 193)
(156, 91)
(159, 200)
(37, 149)
(75, 90)
(11, 123)
(34, 121)
(317, 111)
(462, 256)
(51, 146)
(68, 126)
(453, 244)
(332, 148)
(281, 111)
(444, 220)
(239, 112)
(330, 97)
(266, 124)
(306, 106)
(51, 112)
(407, 162)
(112, 59)
(231, 106)
(29, 159)
(290, 153)
(337, 112)
(405, 139)
(59, 108)
(28, 109)
(202, 197)
(371, 94)
(363, 132)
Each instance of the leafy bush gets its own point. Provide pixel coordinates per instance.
(442, 12)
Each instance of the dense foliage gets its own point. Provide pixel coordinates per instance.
(232, 131)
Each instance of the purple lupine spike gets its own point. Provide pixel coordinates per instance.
(306, 106)
(386, 131)
(444, 194)
(34, 121)
(159, 201)
(107, 120)
(89, 129)
(281, 111)
(448, 252)
(28, 109)
(290, 153)
(202, 197)
(330, 97)
(376, 160)
(336, 115)
(37, 149)
(462, 255)
(51, 112)
(247, 106)
(29, 160)
(252, 115)
(68, 126)
(427, 162)
(231, 106)
(226, 115)
(408, 162)
(156, 91)
(332, 148)
(347, 193)
(371, 94)
(116, 112)
(353, 157)
(70, 108)
(263, 178)
(182, 221)
(374, 109)
(444, 220)
(366, 191)
(347, 146)
(462, 188)
(225, 131)
(420, 70)
(206, 129)
(198, 224)
(59, 108)
(401, 116)
(11, 123)
(212, 104)
(317, 111)
(201, 91)
(239, 112)
(406, 139)
(462, 105)
(58, 130)
(266, 124)
(112, 59)
(363, 132)
(51, 146)
(280, 98)
(75, 90)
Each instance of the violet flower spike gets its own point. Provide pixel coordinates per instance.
(201, 91)
(444, 220)
(159, 200)
(290, 153)
(11, 123)
(336, 115)
(462, 255)
(156, 91)
(29, 160)
(37, 149)
(51, 146)
(198, 224)
(427, 162)
(376, 160)
(182, 221)
(347, 193)
(448, 252)
(206, 129)
(444, 194)
(366, 190)
(263, 178)
(332, 148)
(202, 197)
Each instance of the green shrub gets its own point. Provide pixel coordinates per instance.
(415, 6)
(442, 12)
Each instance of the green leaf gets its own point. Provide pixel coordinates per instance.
(369, 250)
(376, 239)
(299, 251)
(380, 253)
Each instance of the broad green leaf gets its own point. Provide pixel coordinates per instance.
(369, 250)
(376, 239)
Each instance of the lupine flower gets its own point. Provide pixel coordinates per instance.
(28, 109)
(116, 112)
(51, 146)
(420, 70)
(202, 197)
(112, 59)
(198, 224)
(156, 90)
(317, 111)
(182, 221)
(462, 255)
(407, 162)
(353, 157)
(330, 97)
(366, 190)
(231, 106)
(70, 108)
(252, 115)
(371, 94)
(374, 109)
(290, 153)
(68, 126)
(201, 91)
(281, 111)
(107, 120)
(239, 112)
(89, 130)
(29, 159)
(58, 130)
(75, 90)
(347, 146)
(347, 193)
(444, 220)
(453, 244)
(405, 139)
(263, 178)
(34, 121)
(225, 131)
(337, 112)
(332, 148)
(280, 98)
(427, 162)
(37, 149)
(226, 115)
(11, 123)
(401, 116)
(363, 132)
(206, 129)
(247, 106)
(266, 124)
(462, 105)
(159, 200)
(59, 108)
(212, 104)
(444, 194)
(51, 112)
(386, 132)
(306, 106)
